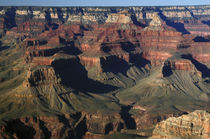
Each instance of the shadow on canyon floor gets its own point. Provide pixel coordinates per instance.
(9, 18)
(138, 60)
(167, 71)
(206, 22)
(73, 74)
(20, 129)
(77, 132)
(126, 116)
(201, 39)
(115, 65)
(3, 48)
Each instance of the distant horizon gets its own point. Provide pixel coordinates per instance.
(98, 3)
(100, 6)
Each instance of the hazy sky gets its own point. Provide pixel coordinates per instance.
(101, 2)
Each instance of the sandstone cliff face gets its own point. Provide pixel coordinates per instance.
(197, 27)
(122, 17)
(160, 35)
(182, 64)
(156, 57)
(90, 62)
(41, 76)
(194, 125)
(202, 57)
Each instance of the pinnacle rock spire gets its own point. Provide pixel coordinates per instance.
(156, 21)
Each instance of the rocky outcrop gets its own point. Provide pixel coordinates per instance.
(181, 64)
(156, 24)
(90, 62)
(145, 120)
(41, 76)
(39, 61)
(123, 17)
(160, 35)
(194, 125)
(104, 123)
(85, 47)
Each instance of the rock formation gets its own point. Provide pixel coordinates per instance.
(193, 125)
(41, 76)
(122, 17)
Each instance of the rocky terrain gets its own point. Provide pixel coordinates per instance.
(194, 125)
(88, 72)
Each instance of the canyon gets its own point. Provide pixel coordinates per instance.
(104, 72)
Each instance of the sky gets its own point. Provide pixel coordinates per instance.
(102, 2)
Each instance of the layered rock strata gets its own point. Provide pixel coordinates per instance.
(193, 125)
